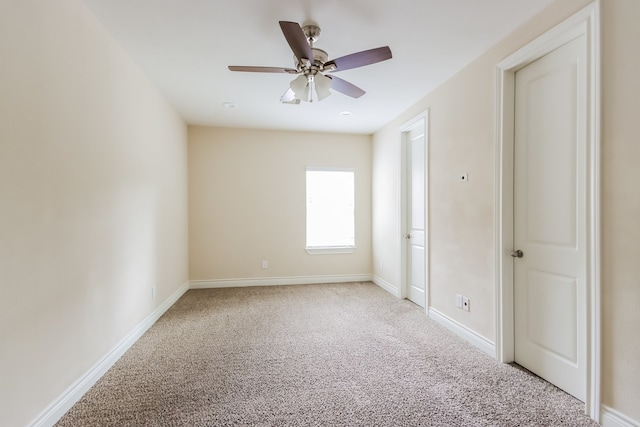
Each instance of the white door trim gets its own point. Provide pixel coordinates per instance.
(421, 119)
(585, 21)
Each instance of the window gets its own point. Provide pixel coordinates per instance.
(330, 210)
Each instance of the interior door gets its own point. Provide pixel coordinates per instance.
(549, 217)
(416, 236)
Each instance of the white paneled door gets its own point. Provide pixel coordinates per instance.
(416, 236)
(549, 217)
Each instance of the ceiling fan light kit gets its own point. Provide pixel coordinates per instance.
(311, 63)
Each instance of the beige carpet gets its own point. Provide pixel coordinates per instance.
(313, 355)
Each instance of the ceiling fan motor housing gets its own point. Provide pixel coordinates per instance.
(319, 58)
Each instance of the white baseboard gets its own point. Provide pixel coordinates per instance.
(386, 286)
(469, 335)
(56, 409)
(275, 281)
(609, 417)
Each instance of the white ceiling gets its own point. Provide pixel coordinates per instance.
(185, 46)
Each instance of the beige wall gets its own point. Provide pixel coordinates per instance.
(621, 206)
(93, 200)
(462, 139)
(247, 202)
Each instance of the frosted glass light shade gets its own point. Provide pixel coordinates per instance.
(311, 88)
(323, 84)
(299, 86)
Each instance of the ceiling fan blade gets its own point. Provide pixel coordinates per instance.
(297, 40)
(345, 87)
(360, 59)
(251, 69)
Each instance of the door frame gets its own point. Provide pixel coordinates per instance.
(585, 21)
(421, 119)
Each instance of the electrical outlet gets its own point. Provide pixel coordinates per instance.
(459, 301)
(265, 264)
(463, 177)
(466, 304)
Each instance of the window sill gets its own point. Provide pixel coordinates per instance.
(331, 250)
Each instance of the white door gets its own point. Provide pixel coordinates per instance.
(549, 217)
(416, 236)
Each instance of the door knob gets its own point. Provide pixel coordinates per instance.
(408, 236)
(517, 253)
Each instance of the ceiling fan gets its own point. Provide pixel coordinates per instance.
(311, 63)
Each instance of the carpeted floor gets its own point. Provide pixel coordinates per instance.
(313, 355)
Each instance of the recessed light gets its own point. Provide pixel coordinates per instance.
(229, 105)
(345, 113)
